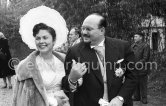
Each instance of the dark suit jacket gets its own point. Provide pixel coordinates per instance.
(92, 88)
(142, 55)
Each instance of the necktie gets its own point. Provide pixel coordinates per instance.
(100, 51)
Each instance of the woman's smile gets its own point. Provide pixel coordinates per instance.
(42, 46)
(44, 41)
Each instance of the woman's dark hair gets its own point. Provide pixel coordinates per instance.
(42, 26)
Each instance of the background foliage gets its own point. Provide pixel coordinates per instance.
(124, 19)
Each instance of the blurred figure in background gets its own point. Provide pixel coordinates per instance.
(5, 71)
(142, 54)
(74, 36)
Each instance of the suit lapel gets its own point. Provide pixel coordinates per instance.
(89, 56)
(110, 58)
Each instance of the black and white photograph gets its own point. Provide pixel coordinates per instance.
(82, 52)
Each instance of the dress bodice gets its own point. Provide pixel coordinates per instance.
(51, 74)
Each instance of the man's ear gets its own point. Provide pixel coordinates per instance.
(102, 29)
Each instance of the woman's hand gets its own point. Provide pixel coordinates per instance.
(61, 100)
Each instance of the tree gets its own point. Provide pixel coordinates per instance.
(124, 16)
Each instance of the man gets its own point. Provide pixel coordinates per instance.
(142, 54)
(74, 36)
(90, 76)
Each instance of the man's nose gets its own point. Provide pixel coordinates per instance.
(84, 31)
(41, 41)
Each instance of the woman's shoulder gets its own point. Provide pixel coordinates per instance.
(27, 59)
(21, 64)
(24, 66)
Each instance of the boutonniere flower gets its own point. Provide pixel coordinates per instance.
(119, 71)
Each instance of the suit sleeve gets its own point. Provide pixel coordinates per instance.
(146, 53)
(68, 66)
(128, 87)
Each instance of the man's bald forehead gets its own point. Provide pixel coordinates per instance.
(92, 20)
(72, 30)
(97, 19)
(94, 16)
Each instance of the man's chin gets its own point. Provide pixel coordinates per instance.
(86, 40)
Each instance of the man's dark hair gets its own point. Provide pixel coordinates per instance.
(140, 34)
(42, 26)
(103, 21)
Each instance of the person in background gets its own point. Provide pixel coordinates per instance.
(89, 67)
(142, 54)
(6, 70)
(74, 36)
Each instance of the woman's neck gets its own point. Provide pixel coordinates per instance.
(46, 56)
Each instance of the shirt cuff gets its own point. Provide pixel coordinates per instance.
(120, 98)
(72, 85)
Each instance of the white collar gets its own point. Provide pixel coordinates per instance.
(100, 44)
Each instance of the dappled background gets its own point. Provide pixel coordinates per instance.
(125, 17)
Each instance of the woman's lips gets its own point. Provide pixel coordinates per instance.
(42, 46)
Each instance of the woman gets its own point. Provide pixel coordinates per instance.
(38, 77)
(5, 71)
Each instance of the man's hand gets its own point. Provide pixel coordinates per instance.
(115, 102)
(77, 71)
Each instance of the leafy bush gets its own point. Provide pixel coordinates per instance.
(157, 78)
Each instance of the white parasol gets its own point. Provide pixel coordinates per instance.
(48, 16)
